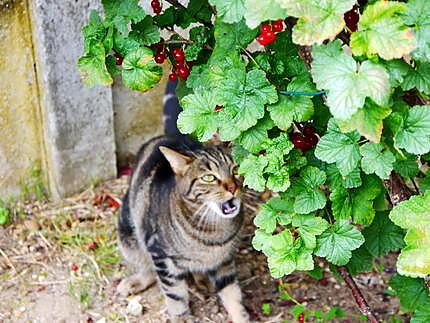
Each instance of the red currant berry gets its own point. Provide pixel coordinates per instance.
(301, 318)
(155, 3)
(179, 64)
(179, 55)
(74, 267)
(270, 36)
(324, 281)
(176, 50)
(352, 17)
(218, 108)
(308, 130)
(262, 39)
(183, 72)
(265, 28)
(118, 60)
(278, 25)
(157, 10)
(299, 141)
(173, 76)
(262, 152)
(159, 58)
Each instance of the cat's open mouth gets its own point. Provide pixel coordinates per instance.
(230, 208)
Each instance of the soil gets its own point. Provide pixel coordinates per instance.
(59, 263)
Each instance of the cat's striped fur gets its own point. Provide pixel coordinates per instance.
(181, 215)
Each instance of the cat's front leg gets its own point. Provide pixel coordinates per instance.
(224, 279)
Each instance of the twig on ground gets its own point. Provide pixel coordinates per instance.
(10, 264)
(356, 292)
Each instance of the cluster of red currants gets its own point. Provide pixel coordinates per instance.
(156, 6)
(268, 32)
(304, 140)
(181, 67)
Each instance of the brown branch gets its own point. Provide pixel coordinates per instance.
(361, 301)
(182, 41)
(398, 191)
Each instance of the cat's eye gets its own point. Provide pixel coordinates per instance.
(208, 178)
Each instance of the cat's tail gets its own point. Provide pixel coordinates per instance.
(171, 110)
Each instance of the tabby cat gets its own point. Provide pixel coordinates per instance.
(181, 215)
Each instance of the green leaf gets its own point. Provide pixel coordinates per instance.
(276, 210)
(418, 78)
(243, 96)
(92, 66)
(238, 153)
(414, 133)
(335, 179)
(229, 10)
(425, 182)
(199, 116)
(397, 69)
(414, 215)
(383, 236)
(418, 16)
(382, 31)
(421, 315)
(413, 292)
(340, 148)
(144, 32)
(407, 165)
(376, 159)
(4, 216)
(348, 83)
(124, 45)
(361, 261)
(139, 70)
(233, 36)
(252, 168)
(309, 227)
(368, 121)
(358, 202)
(255, 137)
(166, 18)
(309, 198)
(279, 181)
(318, 20)
(337, 242)
(122, 13)
(95, 31)
(258, 11)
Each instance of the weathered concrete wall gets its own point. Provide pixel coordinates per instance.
(20, 144)
(77, 121)
(138, 117)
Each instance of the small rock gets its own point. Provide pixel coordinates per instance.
(134, 307)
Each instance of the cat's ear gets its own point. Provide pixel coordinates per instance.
(177, 161)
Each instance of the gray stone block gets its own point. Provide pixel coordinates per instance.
(77, 121)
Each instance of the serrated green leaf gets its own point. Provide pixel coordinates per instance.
(412, 292)
(139, 70)
(418, 78)
(361, 261)
(337, 242)
(309, 198)
(376, 159)
(233, 36)
(92, 66)
(243, 96)
(199, 116)
(414, 215)
(229, 10)
(122, 13)
(418, 16)
(424, 183)
(4, 216)
(252, 168)
(383, 236)
(368, 121)
(356, 203)
(348, 83)
(318, 20)
(382, 31)
(406, 165)
(335, 179)
(258, 11)
(414, 133)
(279, 181)
(340, 148)
(144, 32)
(397, 69)
(238, 153)
(124, 45)
(255, 137)
(192, 52)
(309, 227)
(276, 210)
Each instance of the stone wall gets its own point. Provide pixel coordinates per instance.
(48, 119)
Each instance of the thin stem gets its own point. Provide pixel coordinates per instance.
(356, 292)
(250, 57)
(182, 41)
(417, 189)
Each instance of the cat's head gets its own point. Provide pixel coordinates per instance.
(207, 176)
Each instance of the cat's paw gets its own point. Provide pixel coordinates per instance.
(134, 284)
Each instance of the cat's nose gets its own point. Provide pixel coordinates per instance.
(230, 185)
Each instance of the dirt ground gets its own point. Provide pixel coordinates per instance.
(59, 263)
